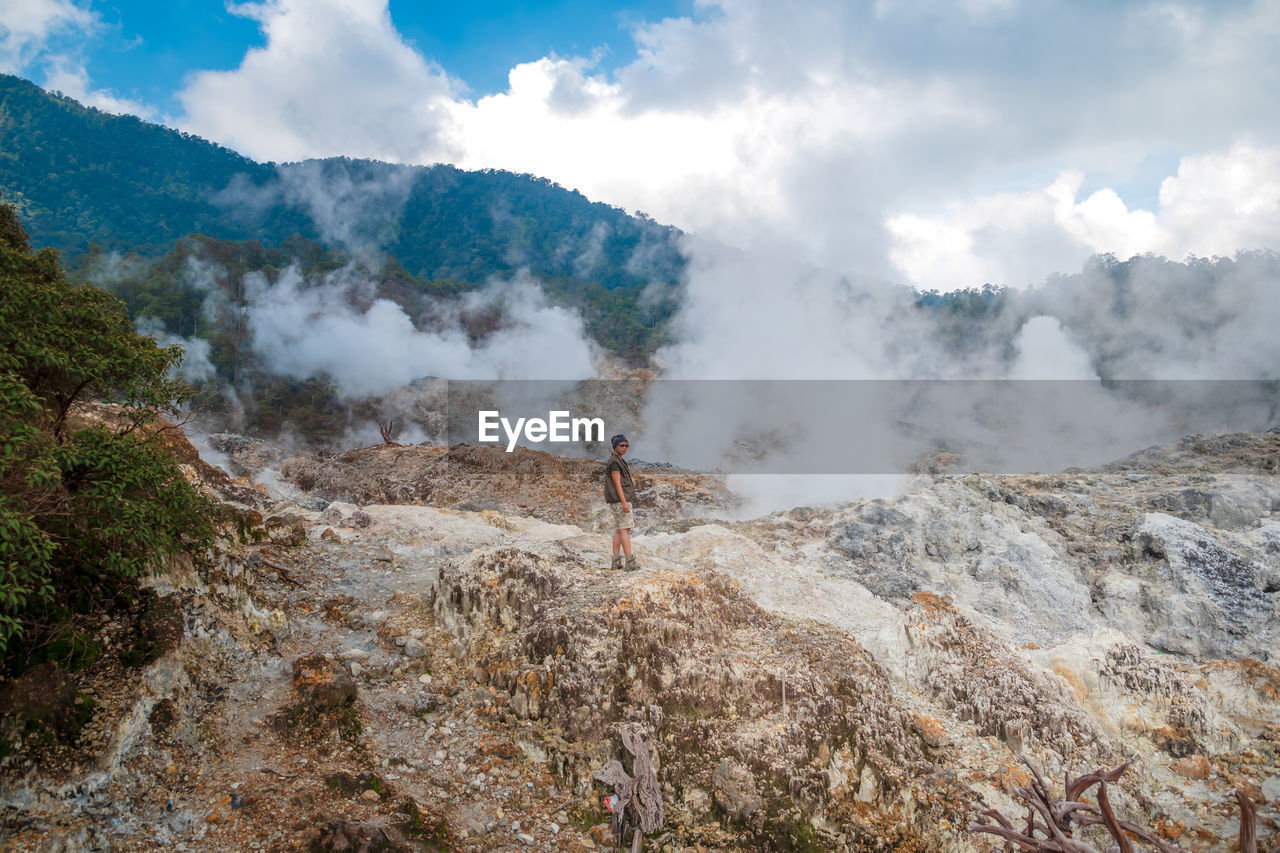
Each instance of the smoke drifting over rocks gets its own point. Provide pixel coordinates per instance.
(753, 315)
(306, 329)
(1046, 351)
(759, 315)
(337, 326)
(1160, 319)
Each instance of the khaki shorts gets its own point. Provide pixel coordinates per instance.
(622, 520)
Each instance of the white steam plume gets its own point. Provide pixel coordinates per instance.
(303, 329)
(1045, 351)
(1151, 318)
(354, 204)
(754, 315)
(360, 212)
(195, 365)
(109, 270)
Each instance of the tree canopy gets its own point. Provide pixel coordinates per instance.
(86, 503)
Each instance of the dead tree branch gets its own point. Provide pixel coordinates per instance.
(639, 797)
(387, 430)
(1053, 832)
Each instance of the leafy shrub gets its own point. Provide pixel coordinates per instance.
(84, 508)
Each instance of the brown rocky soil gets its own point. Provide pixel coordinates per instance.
(561, 490)
(425, 651)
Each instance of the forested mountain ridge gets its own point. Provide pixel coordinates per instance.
(79, 176)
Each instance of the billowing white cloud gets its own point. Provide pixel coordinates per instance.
(72, 79)
(1215, 205)
(1017, 238)
(1219, 203)
(45, 36)
(943, 142)
(1008, 238)
(27, 28)
(558, 121)
(334, 78)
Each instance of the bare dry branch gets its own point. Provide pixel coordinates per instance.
(1248, 823)
(1109, 817)
(388, 431)
(1055, 836)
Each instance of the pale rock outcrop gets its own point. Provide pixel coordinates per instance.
(955, 540)
(686, 655)
(1209, 602)
(856, 677)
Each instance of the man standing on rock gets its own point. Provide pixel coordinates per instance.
(619, 493)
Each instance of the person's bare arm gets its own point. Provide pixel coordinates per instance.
(617, 487)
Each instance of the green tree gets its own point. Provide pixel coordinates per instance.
(87, 505)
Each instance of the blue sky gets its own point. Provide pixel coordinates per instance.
(146, 48)
(941, 142)
(481, 41)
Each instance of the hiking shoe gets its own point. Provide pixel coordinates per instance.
(631, 564)
(616, 565)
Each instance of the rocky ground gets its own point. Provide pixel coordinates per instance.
(422, 649)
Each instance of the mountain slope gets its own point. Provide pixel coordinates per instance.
(81, 176)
